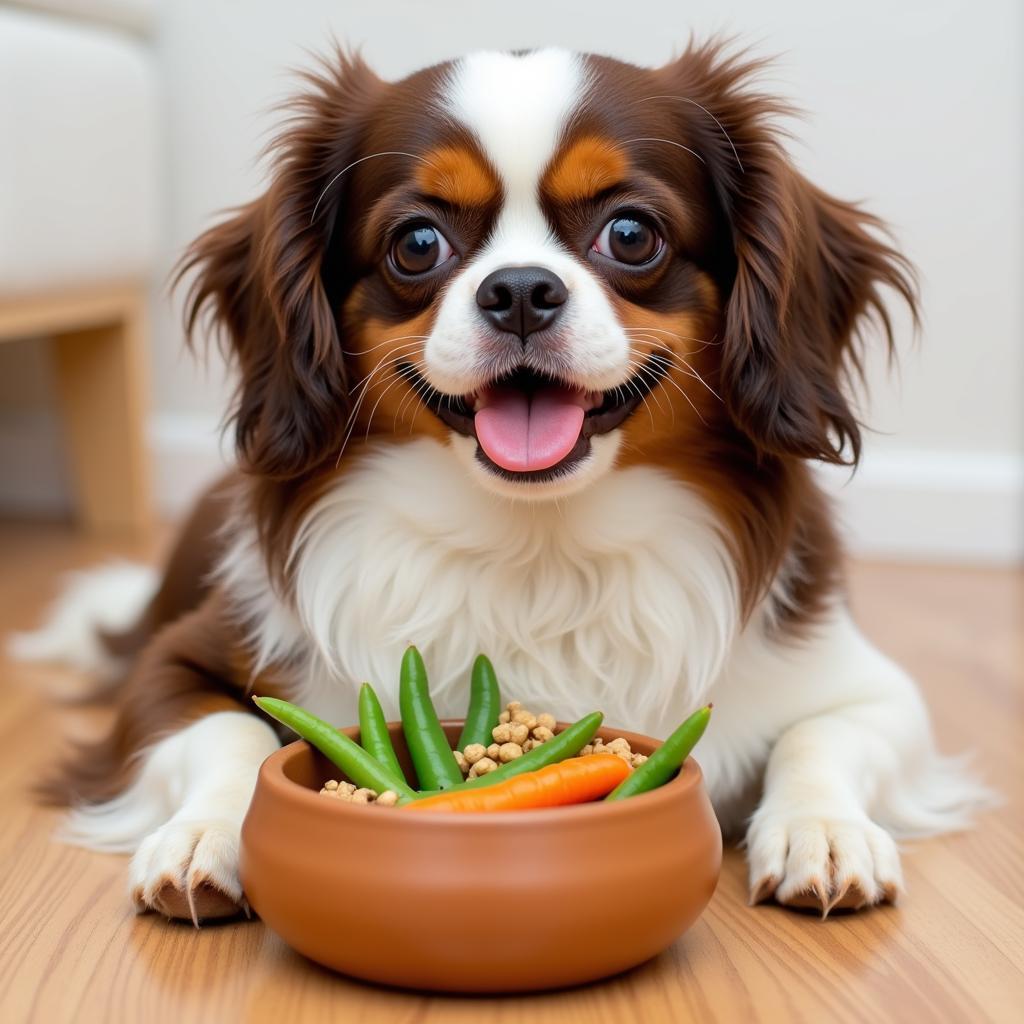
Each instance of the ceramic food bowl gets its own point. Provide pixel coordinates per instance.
(476, 903)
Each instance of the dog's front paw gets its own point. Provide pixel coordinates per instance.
(822, 862)
(189, 870)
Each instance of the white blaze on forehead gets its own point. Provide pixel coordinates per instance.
(516, 106)
(517, 109)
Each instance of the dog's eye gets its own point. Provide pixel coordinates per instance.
(628, 240)
(419, 249)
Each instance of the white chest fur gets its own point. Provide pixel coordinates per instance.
(621, 598)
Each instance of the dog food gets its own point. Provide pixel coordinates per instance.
(509, 759)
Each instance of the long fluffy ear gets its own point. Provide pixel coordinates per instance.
(258, 280)
(806, 269)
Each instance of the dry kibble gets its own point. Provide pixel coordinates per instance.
(482, 767)
(502, 733)
(513, 706)
(509, 752)
(518, 734)
(546, 721)
(529, 745)
(588, 749)
(460, 760)
(542, 734)
(503, 718)
(474, 751)
(347, 793)
(492, 751)
(619, 743)
(638, 759)
(526, 718)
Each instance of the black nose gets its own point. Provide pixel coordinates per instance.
(521, 300)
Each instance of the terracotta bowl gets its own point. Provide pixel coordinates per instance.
(476, 903)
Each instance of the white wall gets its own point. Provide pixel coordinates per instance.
(915, 107)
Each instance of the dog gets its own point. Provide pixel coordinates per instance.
(535, 354)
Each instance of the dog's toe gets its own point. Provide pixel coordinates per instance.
(188, 870)
(827, 864)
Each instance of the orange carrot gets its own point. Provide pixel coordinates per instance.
(573, 781)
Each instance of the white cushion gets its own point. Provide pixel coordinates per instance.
(135, 15)
(78, 157)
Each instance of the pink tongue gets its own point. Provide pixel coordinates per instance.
(527, 432)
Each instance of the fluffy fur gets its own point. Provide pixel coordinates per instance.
(105, 600)
(680, 552)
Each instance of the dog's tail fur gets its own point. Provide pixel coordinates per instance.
(106, 615)
(84, 626)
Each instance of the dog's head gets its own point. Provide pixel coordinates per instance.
(555, 262)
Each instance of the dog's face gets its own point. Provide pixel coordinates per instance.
(536, 267)
(557, 263)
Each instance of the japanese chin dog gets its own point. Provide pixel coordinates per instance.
(535, 352)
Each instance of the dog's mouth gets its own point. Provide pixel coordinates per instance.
(529, 426)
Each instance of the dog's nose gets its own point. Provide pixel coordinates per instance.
(521, 300)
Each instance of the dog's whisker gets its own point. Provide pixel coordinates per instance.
(668, 379)
(665, 361)
(702, 342)
(640, 369)
(354, 419)
(389, 341)
(421, 395)
(383, 359)
(420, 390)
(396, 377)
(410, 397)
(692, 372)
(667, 356)
(653, 380)
(353, 416)
(362, 159)
(669, 142)
(631, 385)
(700, 106)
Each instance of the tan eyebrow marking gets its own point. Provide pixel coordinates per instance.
(458, 176)
(588, 167)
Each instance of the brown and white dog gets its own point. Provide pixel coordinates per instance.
(534, 353)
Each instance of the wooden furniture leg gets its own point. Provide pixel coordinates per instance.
(101, 384)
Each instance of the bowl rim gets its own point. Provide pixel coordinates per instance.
(272, 777)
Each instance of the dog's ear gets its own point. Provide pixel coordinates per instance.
(803, 272)
(258, 278)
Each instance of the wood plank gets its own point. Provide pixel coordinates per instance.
(27, 316)
(70, 949)
(101, 382)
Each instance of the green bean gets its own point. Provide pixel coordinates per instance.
(355, 762)
(432, 757)
(666, 760)
(484, 705)
(565, 744)
(373, 731)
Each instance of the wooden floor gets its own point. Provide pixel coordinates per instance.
(70, 949)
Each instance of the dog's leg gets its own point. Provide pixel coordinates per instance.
(188, 866)
(172, 782)
(841, 782)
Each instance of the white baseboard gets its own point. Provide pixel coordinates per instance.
(902, 504)
(933, 506)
